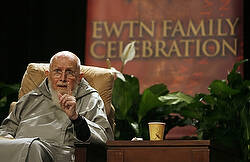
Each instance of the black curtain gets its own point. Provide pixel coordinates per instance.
(34, 30)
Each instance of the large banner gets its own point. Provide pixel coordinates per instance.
(185, 44)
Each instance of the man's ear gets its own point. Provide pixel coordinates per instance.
(46, 73)
(81, 75)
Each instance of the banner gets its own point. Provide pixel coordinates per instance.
(183, 44)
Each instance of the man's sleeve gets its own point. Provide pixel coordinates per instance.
(82, 129)
(10, 124)
(93, 113)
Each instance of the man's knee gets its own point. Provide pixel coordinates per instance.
(39, 152)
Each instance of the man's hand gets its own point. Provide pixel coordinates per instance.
(68, 104)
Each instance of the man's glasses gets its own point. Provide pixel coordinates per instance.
(57, 73)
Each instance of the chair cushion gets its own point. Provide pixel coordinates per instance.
(99, 78)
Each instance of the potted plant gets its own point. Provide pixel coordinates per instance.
(222, 116)
(134, 109)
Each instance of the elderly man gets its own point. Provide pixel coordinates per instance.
(47, 122)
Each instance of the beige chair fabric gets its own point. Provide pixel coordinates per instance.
(99, 78)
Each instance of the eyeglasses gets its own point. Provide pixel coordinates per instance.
(58, 73)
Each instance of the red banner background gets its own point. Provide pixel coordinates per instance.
(183, 44)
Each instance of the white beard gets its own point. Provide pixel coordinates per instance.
(54, 94)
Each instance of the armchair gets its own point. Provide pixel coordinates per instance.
(99, 78)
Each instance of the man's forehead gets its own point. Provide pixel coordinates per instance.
(63, 57)
(63, 62)
(55, 66)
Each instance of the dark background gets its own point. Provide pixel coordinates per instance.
(34, 30)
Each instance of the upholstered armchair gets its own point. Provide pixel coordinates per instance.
(99, 78)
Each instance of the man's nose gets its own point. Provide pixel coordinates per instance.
(63, 76)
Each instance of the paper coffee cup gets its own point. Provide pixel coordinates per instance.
(156, 130)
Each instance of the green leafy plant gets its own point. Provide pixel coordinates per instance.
(135, 110)
(8, 93)
(222, 116)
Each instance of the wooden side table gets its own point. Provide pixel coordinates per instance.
(81, 152)
(158, 151)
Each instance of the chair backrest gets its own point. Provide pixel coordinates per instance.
(99, 78)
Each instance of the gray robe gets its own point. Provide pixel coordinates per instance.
(35, 117)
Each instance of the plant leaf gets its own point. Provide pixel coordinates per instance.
(234, 78)
(220, 88)
(124, 130)
(7, 89)
(175, 98)
(159, 89)
(237, 64)
(3, 101)
(124, 95)
(150, 99)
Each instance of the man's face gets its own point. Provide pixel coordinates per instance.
(63, 74)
